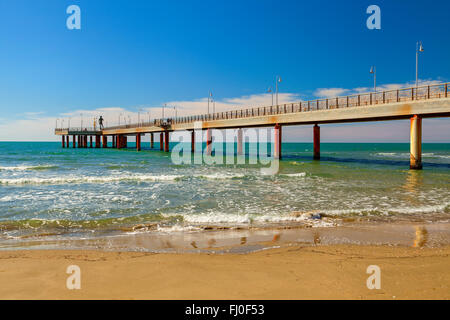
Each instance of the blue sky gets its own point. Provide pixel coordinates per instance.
(141, 54)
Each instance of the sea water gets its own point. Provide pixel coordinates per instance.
(48, 191)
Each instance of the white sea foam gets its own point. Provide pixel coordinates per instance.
(243, 219)
(389, 211)
(87, 179)
(221, 176)
(23, 168)
(299, 174)
(406, 155)
(113, 178)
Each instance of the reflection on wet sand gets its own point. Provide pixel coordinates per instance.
(421, 237)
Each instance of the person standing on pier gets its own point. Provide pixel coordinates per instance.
(100, 122)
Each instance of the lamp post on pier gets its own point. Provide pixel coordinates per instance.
(419, 49)
(277, 80)
(373, 70)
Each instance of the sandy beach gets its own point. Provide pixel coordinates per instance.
(293, 272)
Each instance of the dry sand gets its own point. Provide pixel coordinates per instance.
(295, 272)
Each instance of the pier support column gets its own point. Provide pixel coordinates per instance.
(97, 141)
(239, 142)
(138, 142)
(74, 141)
(166, 141)
(63, 141)
(152, 141)
(208, 142)
(105, 141)
(161, 141)
(192, 141)
(80, 143)
(91, 144)
(85, 141)
(416, 143)
(316, 138)
(67, 142)
(113, 141)
(278, 139)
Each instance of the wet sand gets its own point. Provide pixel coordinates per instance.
(290, 272)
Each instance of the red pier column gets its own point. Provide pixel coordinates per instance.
(97, 141)
(105, 142)
(316, 138)
(138, 142)
(63, 141)
(85, 141)
(192, 141)
(74, 141)
(79, 142)
(151, 140)
(91, 144)
(161, 141)
(67, 142)
(278, 140)
(166, 141)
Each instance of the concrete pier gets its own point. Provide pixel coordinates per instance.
(316, 139)
(431, 101)
(278, 140)
(416, 143)
(240, 148)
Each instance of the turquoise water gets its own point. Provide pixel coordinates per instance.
(46, 190)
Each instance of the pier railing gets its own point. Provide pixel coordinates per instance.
(75, 130)
(356, 100)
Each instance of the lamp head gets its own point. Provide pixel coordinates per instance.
(421, 47)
